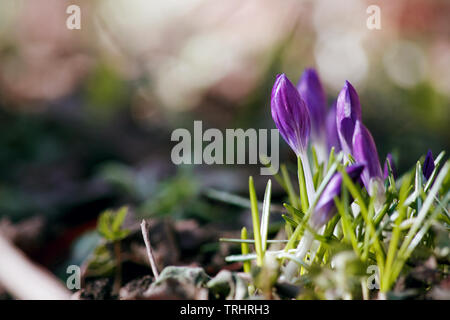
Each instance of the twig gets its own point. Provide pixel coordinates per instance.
(144, 228)
(24, 279)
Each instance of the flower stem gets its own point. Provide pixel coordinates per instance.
(305, 179)
(303, 247)
(302, 186)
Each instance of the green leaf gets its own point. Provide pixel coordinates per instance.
(418, 185)
(356, 194)
(234, 240)
(119, 219)
(101, 263)
(437, 166)
(245, 250)
(256, 222)
(110, 222)
(103, 225)
(265, 215)
(331, 158)
(296, 214)
(295, 259)
(241, 257)
(300, 227)
(289, 220)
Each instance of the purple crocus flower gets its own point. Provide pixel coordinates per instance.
(348, 111)
(325, 208)
(428, 165)
(290, 114)
(386, 169)
(311, 90)
(332, 132)
(365, 151)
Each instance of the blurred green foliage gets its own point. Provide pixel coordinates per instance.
(110, 224)
(105, 92)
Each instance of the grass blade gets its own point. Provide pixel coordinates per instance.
(256, 222)
(265, 215)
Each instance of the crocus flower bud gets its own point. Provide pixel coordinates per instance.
(311, 91)
(386, 169)
(325, 208)
(348, 111)
(332, 132)
(290, 114)
(365, 151)
(428, 165)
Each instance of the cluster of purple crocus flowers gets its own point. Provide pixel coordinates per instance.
(300, 114)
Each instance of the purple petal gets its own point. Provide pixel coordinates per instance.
(325, 208)
(290, 114)
(348, 111)
(332, 132)
(365, 151)
(428, 165)
(393, 167)
(311, 91)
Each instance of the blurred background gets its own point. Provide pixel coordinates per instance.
(86, 115)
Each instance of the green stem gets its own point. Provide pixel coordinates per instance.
(302, 186)
(308, 177)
